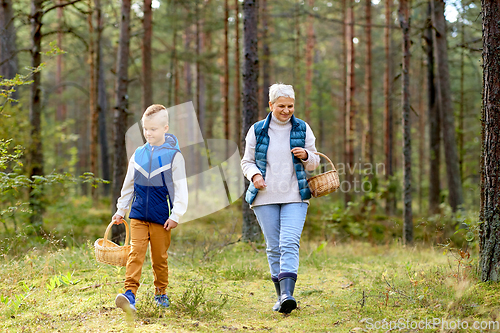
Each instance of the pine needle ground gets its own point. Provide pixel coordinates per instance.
(341, 288)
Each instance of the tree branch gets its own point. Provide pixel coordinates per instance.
(97, 285)
(60, 5)
(69, 84)
(13, 55)
(67, 31)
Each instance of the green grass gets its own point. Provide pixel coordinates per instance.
(224, 285)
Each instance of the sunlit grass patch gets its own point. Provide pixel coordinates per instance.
(339, 286)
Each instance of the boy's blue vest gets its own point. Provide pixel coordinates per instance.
(297, 139)
(153, 184)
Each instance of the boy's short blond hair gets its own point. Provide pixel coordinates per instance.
(156, 109)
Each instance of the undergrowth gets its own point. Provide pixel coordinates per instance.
(353, 270)
(340, 288)
(194, 303)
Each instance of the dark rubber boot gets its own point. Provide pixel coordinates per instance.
(276, 306)
(287, 302)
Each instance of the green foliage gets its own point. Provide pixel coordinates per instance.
(364, 219)
(7, 157)
(147, 308)
(16, 302)
(60, 280)
(9, 86)
(14, 183)
(195, 304)
(459, 229)
(243, 273)
(339, 286)
(71, 221)
(54, 50)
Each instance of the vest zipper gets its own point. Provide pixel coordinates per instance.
(149, 178)
(168, 204)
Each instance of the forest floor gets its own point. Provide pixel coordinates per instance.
(218, 285)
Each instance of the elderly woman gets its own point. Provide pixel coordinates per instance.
(278, 151)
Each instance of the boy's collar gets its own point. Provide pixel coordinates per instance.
(170, 142)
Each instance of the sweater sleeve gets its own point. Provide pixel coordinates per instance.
(180, 203)
(312, 161)
(248, 165)
(125, 198)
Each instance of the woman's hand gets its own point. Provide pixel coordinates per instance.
(300, 153)
(258, 181)
(117, 219)
(170, 224)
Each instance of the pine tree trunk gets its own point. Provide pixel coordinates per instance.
(8, 57)
(61, 105)
(171, 91)
(121, 110)
(368, 82)
(35, 153)
(83, 129)
(404, 21)
(147, 84)
(489, 215)
(92, 103)
(455, 196)
(61, 110)
(251, 229)
(237, 78)
(200, 76)
(266, 59)
(197, 65)
(309, 63)
(102, 102)
(350, 86)
(296, 60)
(388, 114)
(461, 150)
(343, 102)
(211, 91)
(421, 133)
(225, 94)
(175, 60)
(434, 121)
(187, 65)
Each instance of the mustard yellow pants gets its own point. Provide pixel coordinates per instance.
(142, 233)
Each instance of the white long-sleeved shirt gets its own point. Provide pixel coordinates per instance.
(281, 180)
(180, 187)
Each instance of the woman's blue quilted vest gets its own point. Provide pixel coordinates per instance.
(297, 139)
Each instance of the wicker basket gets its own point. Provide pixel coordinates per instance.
(111, 253)
(324, 183)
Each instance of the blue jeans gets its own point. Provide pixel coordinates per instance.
(282, 226)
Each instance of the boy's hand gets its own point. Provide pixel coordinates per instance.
(117, 219)
(170, 224)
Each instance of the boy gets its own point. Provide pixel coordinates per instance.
(156, 185)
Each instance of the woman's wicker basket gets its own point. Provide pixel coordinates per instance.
(111, 253)
(324, 183)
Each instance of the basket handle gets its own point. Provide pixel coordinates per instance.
(333, 167)
(127, 237)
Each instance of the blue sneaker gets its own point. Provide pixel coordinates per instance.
(126, 301)
(162, 300)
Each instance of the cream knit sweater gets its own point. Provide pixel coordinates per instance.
(281, 180)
